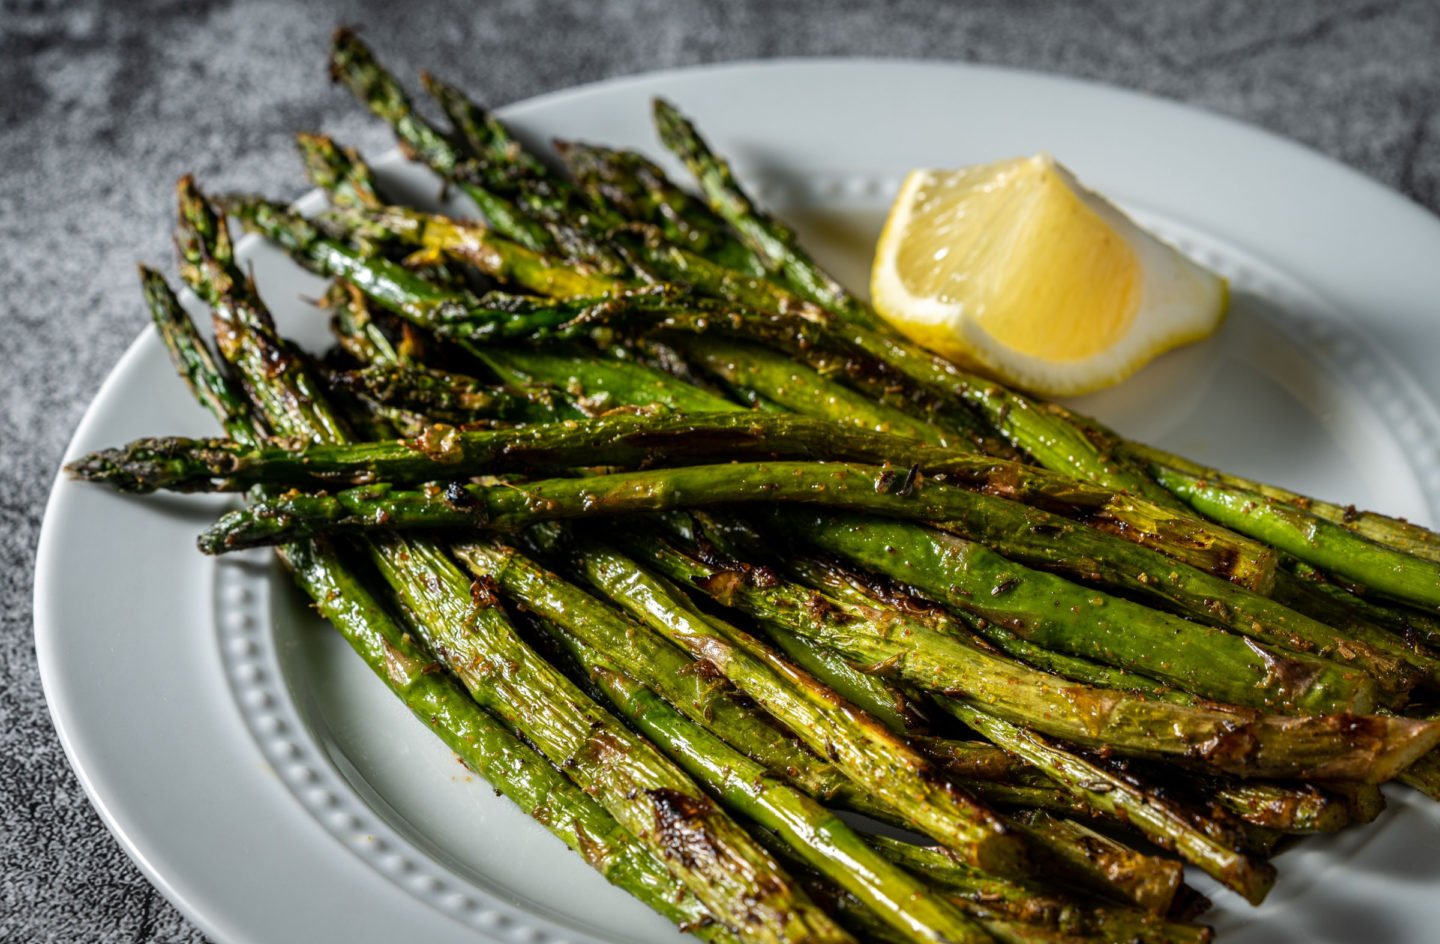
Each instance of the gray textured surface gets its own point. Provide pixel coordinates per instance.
(103, 105)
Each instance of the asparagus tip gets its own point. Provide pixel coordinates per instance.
(103, 466)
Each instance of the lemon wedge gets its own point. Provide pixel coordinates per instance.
(1017, 270)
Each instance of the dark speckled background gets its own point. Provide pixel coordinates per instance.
(102, 105)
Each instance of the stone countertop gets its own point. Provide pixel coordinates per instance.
(103, 105)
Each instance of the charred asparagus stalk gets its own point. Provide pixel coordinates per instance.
(1340, 748)
(1207, 661)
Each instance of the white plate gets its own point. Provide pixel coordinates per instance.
(269, 786)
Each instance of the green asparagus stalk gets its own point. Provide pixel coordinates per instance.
(337, 170)
(447, 397)
(352, 63)
(1400, 631)
(484, 134)
(500, 164)
(1220, 738)
(868, 925)
(1035, 904)
(1102, 864)
(773, 242)
(1288, 808)
(637, 440)
(1423, 775)
(799, 388)
(1396, 533)
(1207, 661)
(871, 592)
(360, 334)
(194, 361)
(637, 188)
(817, 835)
(1312, 539)
(208, 267)
(1163, 823)
(971, 578)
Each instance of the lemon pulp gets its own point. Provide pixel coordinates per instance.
(1015, 268)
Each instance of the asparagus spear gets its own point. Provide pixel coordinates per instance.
(484, 135)
(868, 925)
(1163, 823)
(773, 242)
(1399, 631)
(818, 836)
(619, 440)
(1312, 539)
(1101, 863)
(1034, 904)
(640, 190)
(1396, 533)
(1423, 775)
(1207, 661)
(1024, 601)
(337, 170)
(352, 63)
(799, 388)
(193, 360)
(869, 591)
(446, 397)
(1217, 737)
(500, 163)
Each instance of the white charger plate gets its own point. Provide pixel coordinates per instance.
(271, 788)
